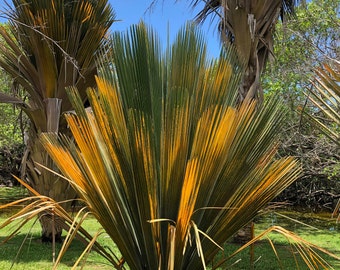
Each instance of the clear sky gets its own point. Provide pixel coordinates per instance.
(165, 15)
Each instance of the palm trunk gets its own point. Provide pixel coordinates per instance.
(248, 26)
(43, 181)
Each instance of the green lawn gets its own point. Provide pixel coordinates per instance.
(9, 194)
(27, 252)
(266, 259)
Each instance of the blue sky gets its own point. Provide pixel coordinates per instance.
(165, 15)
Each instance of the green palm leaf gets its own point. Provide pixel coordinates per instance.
(48, 46)
(249, 26)
(325, 96)
(165, 155)
(52, 44)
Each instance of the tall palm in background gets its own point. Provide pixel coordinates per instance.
(248, 25)
(165, 156)
(51, 44)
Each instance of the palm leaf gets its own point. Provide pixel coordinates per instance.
(249, 26)
(48, 46)
(38, 204)
(325, 96)
(306, 250)
(165, 153)
(61, 39)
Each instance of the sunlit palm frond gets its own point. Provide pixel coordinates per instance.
(50, 45)
(165, 155)
(249, 26)
(308, 252)
(37, 205)
(325, 96)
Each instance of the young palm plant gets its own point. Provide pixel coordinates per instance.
(164, 159)
(50, 45)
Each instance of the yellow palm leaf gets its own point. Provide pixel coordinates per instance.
(165, 154)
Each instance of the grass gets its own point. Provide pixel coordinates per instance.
(26, 251)
(324, 233)
(9, 194)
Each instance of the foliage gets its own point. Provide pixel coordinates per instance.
(11, 122)
(51, 45)
(325, 96)
(167, 163)
(249, 26)
(52, 57)
(303, 44)
(32, 255)
(10, 162)
(54, 40)
(12, 125)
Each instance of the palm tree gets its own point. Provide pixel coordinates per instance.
(167, 155)
(51, 44)
(249, 26)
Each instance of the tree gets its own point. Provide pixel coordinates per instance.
(10, 131)
(249, 26)
(11, 122)
(304, 44)
(166, 156)
(51, 44)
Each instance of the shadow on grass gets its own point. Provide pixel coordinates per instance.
(317, 229)
(10, 194)
(29, 248)
(28, 252)
(265, 258)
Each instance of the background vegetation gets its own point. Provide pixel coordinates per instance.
(301, 44)
(306, 45)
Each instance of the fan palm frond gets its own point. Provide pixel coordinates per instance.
(52, 44)
(48, 46)
(249, 26)
(325, 96)
(165, 156)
